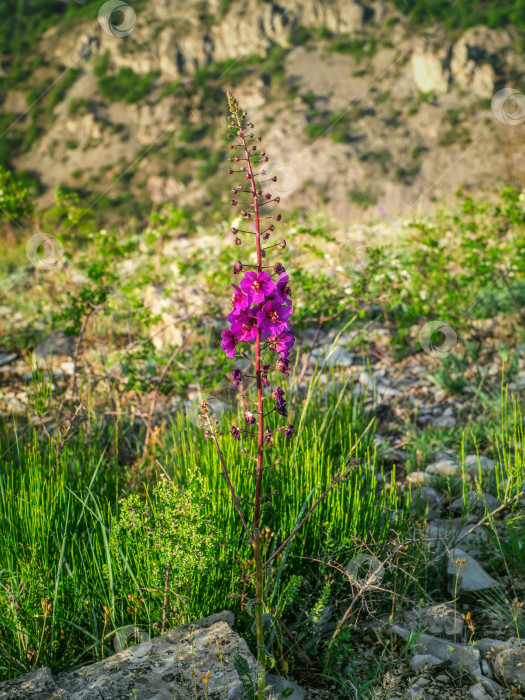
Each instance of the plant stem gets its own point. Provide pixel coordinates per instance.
(260, 451)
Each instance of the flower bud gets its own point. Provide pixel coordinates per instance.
(248, 176)
(236, 159)
(237, 267)
(288, 432)
(234, 202)
(278, 268)
(237, 241)
(244, 212)
(283, 244)
(266, 159)
(274, 178)
(234, 230)
(267, 196)
(278, 217)
(234, 191)
(266, 236)
(254, 148)
(230, 171)
(259, 193)
(277, 199)
(235, 433)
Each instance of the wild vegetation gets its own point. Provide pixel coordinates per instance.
(110, 449)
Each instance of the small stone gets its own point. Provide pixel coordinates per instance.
(6, 358)
(472, 464)
(417, 477)
(444, 467)
(68, 367)
(442, 678)
(278, 685)
(421, 661)
(478, 692)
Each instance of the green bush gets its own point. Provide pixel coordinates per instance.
(126, 86)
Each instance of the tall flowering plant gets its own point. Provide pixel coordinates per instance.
(259, 332)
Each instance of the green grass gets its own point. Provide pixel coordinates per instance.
(64, 590)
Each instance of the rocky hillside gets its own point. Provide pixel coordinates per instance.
(363, 110)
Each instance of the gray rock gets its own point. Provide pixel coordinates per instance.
(478, 692)
(457, 530)
(37, 685)
(488, 647)
(437, 620)
(337, 357)
(458, 654)
(444, 467)
(56, 344)
(442, 678)
(420, 661)
(418, 477)
(450, 465)
(429, 495)
(472, 464)
(444, 421)
(466, 576)
(509, 664)
(156, 669)
(6, 358)
(487, 669)
(279, 684)
(475, 502)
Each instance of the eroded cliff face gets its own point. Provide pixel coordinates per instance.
(179, 38)
(414, 101)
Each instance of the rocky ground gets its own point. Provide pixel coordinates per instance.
(459, 655)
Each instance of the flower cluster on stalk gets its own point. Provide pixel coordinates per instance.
(261, 301)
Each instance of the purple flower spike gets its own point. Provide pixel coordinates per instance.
(288, 431)
(235, 433)
(282, 289)
(237, 377)
(257, 286)
(245, 326)
(229, 343)
(273, 318)
(249, 417)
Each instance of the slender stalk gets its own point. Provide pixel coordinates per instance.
(259, 587)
